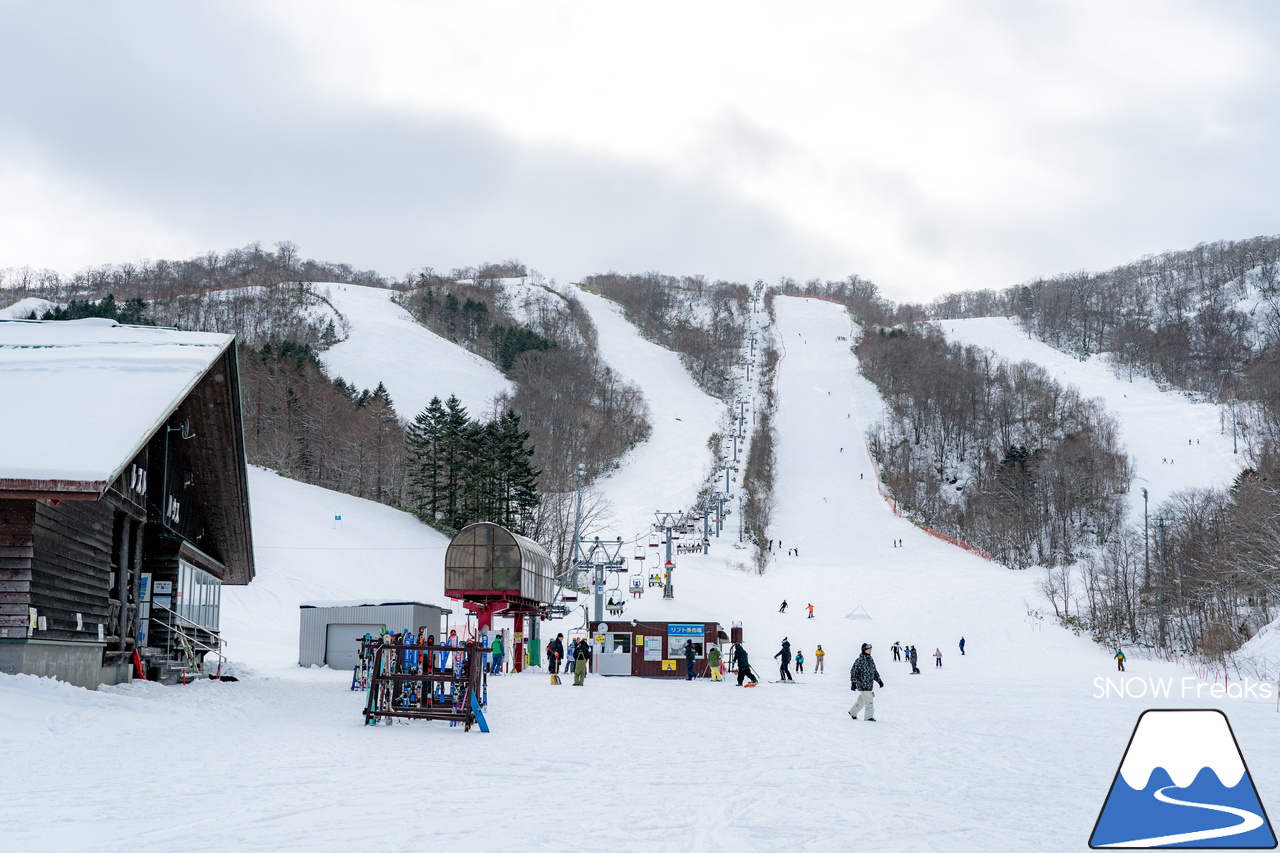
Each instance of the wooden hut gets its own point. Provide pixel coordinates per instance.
(654, 649)
(124, 501)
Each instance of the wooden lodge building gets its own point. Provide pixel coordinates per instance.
(124, 500)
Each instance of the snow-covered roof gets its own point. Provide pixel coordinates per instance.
(82, 397)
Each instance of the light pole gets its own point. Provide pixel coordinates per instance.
(1146, 554)
(1160, 521)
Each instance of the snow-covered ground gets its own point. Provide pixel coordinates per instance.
(386, 345)
(665, 473)
(1003, 749)
(1175, 443)
(23, 308)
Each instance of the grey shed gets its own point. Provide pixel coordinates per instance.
(329, 632)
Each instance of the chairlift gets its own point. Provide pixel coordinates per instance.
(637, 585)
(640, 555)
(653, 540)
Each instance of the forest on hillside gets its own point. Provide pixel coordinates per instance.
(1206, 321)
(317, 428)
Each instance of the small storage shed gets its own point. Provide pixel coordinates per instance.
(329, 632)
(632, 647)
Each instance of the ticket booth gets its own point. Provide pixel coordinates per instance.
(653, 649)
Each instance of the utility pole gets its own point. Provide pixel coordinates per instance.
(577, 529)
(669, 521)
(1160, 521)
(1146, 551)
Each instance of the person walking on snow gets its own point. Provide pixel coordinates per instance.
(962, 645)
(497, 653)
(915, 660)
(580, 654)
(897, 650)
(713, 663)
(810, 609)
(556, 655)
(937, 654)
(800, 662)
(689, 655)
(861, 675)
(783, 608)
(784, 671)
(1119, 656)
(818, 656)
(743, 666)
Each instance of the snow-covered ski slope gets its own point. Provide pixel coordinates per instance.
(1005, 749)
(386, 345)
(665, 472)
(1155, 425)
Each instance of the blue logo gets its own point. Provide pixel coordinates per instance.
(1183, 783)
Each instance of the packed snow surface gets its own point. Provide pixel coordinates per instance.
(1006, 748)
(79, 393)
(387, 345)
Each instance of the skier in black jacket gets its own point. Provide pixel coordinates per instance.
(689, 654)
(861, 675)
(742, 665)
(785, 653)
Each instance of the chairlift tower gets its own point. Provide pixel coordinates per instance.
(598, 558)
(667, 522)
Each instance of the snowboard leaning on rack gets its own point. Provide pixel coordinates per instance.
(405, 683)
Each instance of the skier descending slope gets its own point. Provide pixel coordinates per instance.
(861, 675)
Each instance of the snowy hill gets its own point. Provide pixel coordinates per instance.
(1155, 425)
(386, 345)
(1010, 747)
(665, 473)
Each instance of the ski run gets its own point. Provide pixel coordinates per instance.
(1010, 747)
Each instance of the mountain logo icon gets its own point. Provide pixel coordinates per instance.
(1183, 783)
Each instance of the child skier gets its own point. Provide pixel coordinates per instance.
(819, 655)
(800, 662)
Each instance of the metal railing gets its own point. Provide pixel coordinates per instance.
(190, 641)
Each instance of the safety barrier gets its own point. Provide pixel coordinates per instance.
(897, 510)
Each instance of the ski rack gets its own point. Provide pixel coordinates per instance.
(408, 682)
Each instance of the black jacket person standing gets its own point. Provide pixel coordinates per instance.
(784, 671)
(861, 675)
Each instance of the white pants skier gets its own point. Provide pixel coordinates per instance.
(866, 699)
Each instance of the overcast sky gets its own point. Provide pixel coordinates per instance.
(928, 146)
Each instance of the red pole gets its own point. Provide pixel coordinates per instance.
(517, 662)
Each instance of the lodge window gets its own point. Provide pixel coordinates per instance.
(198, 596)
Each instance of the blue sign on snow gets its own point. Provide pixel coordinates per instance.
(1183, 783)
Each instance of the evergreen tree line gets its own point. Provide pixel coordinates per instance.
(704, 322)
(319, 430)
(462, 470)
(131, 312)
(576, 408)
